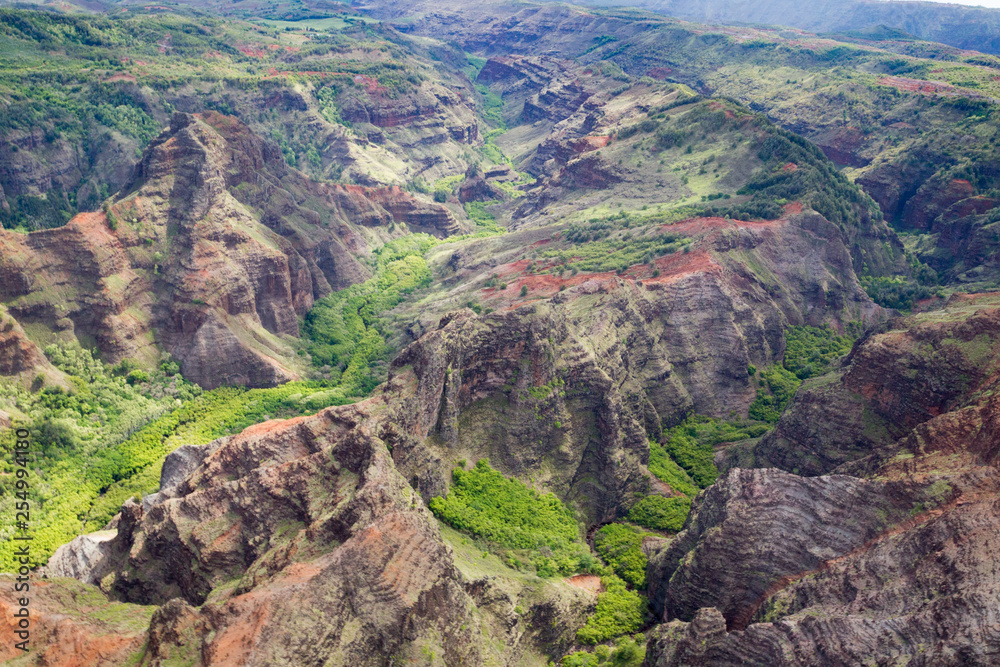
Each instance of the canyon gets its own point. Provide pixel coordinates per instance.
(598, 260)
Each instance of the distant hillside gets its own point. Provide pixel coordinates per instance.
(975, 28)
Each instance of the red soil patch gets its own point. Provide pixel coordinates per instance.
(791, 208)
(270, 426)
(88, 219)
(588, 582)
(695, 226)
(370, 83)
(660, 73)
(918, 85)
(791, 166)
(120, 76)
(272, 72)
(252, 51)
(538, 244)
(587, 144)
(678, 265)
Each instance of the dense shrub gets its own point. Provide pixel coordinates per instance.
(692, 454)
(619, 611)
(668, 471)
(621, 547)
(661, 513)
(810, 351)
(104, 439)
(508, 514)
(627, 652)
(344, 328)
(777, 388)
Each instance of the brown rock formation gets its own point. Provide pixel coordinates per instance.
(896, 380)
(71, 625)
(311, 514)
(208, 247)
(807, 572)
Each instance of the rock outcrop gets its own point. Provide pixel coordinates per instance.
(71, 624)
(843, 570)
(316, 513)
(911, 372)
(209, 247)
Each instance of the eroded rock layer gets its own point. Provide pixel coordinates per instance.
(207, 249)
(779, 569)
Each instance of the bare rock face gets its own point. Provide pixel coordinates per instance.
(312, 514)
(71, 623)
(18, 355)
(315, 518)
(83, 559)
(825, 427)
(524, 391)
(911, 372)
(779, 569)
(794, 524)
(478, 189)
(208, 246)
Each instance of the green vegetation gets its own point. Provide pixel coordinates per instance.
(619, 612)
(491, 108)
(661, 513)
(599, 246)
(344, 328)
(899, 292)
(814, 180)
(89, 85)
(692, 453)
(810, 351)
(777, 386)
(620, 546)
(483, 219)
(105, 439)
(691, 444)
(627, 652)
(505, 512)
(667, 470)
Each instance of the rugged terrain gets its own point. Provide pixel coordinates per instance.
(578, 335)
(891, 559)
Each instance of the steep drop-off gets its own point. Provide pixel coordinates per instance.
(893, 560)
(213, 249)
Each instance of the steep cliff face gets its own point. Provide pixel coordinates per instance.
(208, 249)
(19, 357)
(914, 370)
(317, 519)
(72, 624)
(842, 570)
(317, 514)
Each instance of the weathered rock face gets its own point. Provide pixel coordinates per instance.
(896, 380)
(83, 559)
(72, 624)
(18, 355)
(478, 189)
(311, 514)
(924, 591)
(922, 194)
(848, 570)
(523, 390)
(209, 248)
(755, 527)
